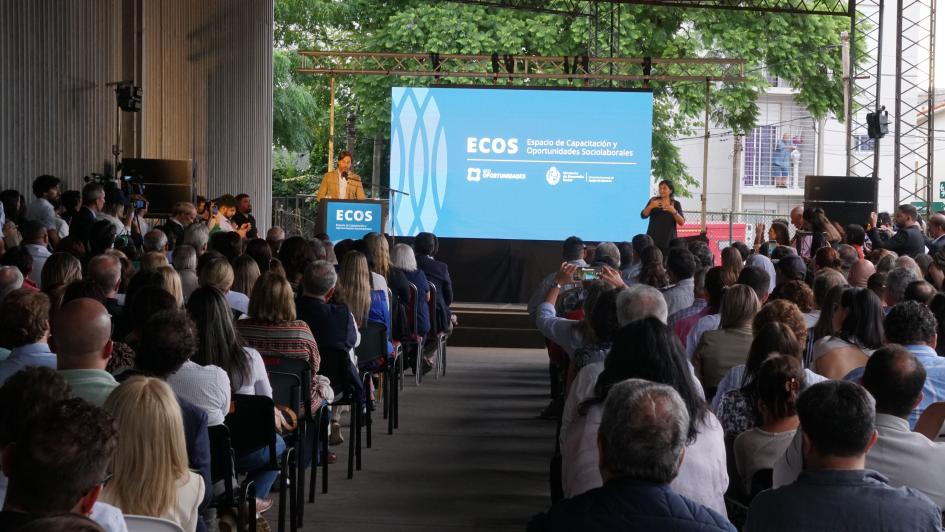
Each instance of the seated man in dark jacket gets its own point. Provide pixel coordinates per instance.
(836, 491)
(641, 439)
(332, 325)
(908, 240)
(438, 274)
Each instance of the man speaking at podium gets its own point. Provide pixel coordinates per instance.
(341, 183)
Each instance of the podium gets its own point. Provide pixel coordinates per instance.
(343, 219)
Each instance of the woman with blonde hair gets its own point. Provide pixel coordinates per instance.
(149, 472)
(171, 283)
(60, 268)
(245, 274)
(273, 330)
(354, 286)
(219, 274)
(380, 251)
(152, 260)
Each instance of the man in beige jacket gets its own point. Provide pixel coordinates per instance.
(341, 183)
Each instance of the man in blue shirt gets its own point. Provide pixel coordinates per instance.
(835, 491)
(913, 325)
(25, 329)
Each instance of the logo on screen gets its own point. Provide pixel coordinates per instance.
(418, 162)
(473, 174)
(553, 176)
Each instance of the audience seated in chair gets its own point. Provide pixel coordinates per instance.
(332, 324)
(149, 472)
(81, 337)
(779, 382)
(835, 491)
(273, 330)
(681, 264)
(59, 464)
(895, 378)
(24, 329)
(438, 273)
(642, 438)
(859, 331)
(21, 398)
(912, 325)
(720, 350)
(647, 348)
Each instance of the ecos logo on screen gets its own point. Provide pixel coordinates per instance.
(352, 215)
(491, 145)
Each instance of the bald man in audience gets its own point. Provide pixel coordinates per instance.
(920, 291)
(81, 338)
(895, 378)
(274, 237)
(860, 273)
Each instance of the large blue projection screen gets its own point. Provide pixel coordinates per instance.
(520, 164)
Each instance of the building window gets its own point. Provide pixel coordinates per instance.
(863, 143)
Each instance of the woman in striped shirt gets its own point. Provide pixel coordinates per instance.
(273, 330)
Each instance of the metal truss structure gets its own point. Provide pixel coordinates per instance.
(915, 102)
(864, 85)
(914, 88)
(524, 70)
(585, 7)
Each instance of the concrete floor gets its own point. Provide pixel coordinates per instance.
(470, 454)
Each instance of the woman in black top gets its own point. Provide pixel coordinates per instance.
(665, 214)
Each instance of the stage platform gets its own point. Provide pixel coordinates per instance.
(494, 325)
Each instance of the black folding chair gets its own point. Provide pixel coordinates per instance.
(414, 338)
(437, 334)
(287, 376)
(241, 500)
(373, 346)
(252, 427)
(349, 391)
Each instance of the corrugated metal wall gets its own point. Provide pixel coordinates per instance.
(206, 70)
(56, 114)
(207, 79)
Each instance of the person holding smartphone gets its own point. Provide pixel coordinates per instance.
(665, 213)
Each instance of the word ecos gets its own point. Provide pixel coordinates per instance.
(491, 145)
(351, 215)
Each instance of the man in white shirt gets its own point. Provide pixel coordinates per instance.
(36, 243)
(46, 190)
(222, 222)
(894, 377)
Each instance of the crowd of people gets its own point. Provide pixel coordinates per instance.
(123, 340)
(796, 383)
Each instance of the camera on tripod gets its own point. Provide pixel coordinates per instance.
(101, 179)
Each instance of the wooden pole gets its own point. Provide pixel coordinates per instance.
(705, 158)
(331, 127)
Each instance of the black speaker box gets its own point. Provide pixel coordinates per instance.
(165, 182)
(844, 199)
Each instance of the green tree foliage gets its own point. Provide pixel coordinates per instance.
(804, 50)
